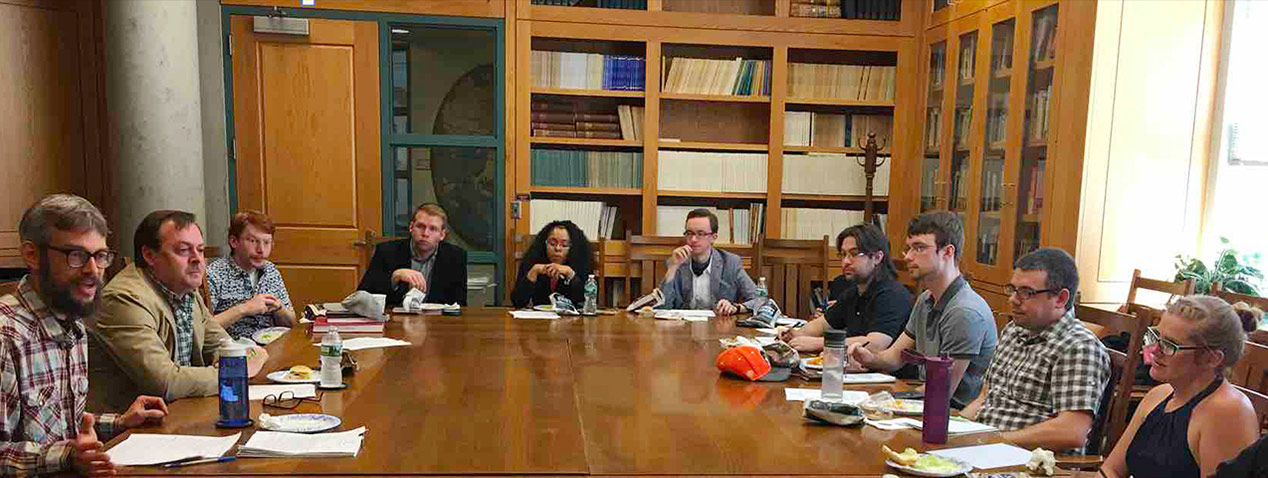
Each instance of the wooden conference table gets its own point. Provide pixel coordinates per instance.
(484, 393)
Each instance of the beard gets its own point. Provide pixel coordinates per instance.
(59, 296)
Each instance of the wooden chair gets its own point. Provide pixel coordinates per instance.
(748, 253)
(1251, 371)
(211, 253)
(1260, 402)
(1112, 420)
(9, 287)
(794, 265)
(650, 253)
(1174, 289)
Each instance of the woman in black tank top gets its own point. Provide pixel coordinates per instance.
(1187, 426)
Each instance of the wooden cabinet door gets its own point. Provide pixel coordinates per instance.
(306, 124)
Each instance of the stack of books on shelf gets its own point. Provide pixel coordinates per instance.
(594, 169)
(937, 69)
(851, 9)
(805, 128)
(706, 171)
(702, 76)
(1045, 38)
(1034, 201)
(846, 82)
(596, 219)
(831, 174)
(992, 199)
(566, 118)
(963, 121)
(968, 62)
(587, 71)
(1002, 52)
(929, 174)
(933, 124)
(996, 120)
(735, 226)
(807, 223)
(1038, 120)
(988, 243)
(622, 4)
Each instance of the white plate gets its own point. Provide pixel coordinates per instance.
(266, 336)
(280, 377)
(964, 468)
(908, 407)
(816, 365)
(302, 423)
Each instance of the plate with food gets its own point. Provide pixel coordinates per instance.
(924, 464)
(812, 363)
(299, 422)
(266, 336)
(296, 374)
(544, 308)
(907, 407)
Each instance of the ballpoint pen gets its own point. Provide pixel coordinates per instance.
(220, 459)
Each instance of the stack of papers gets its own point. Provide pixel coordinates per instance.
(151, 449)
(362, 343)
(957, 426)
(281, 444)
(533, 314)
(997, 455)
(852, 397)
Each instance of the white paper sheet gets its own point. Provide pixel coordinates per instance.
(852, 397)
(266, 443)
(684, 314)
(768, 331)
(995, 455)
(301, 390)
(153, 449)
(891, 424)
(362, 343)
(858, 378)
(533, 314)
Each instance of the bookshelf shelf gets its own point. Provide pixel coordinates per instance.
(710, 194)
(713, 146)
(832, 197)
(586, 191)
(722, 98)
(839, 102)
(825, 149)
(585, 141)
(598, 93)
(1038, 143)
(970, 81)
(1045, 64)
(1002, 74)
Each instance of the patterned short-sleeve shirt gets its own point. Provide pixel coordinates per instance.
(229, 285)
(1035, 376)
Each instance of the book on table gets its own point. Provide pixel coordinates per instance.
(351, 325)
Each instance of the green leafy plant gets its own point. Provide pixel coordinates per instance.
(1237, 273)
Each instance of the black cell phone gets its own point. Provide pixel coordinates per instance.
(909, 395)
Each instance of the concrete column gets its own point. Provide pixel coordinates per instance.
(215, 152)
(154, 110)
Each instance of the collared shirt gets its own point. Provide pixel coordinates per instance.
(1035, 376)
(701, 290)
(43, 385)
(423, 265)
(884, 307)
(228, 284)
(961, 325)
(183, 310)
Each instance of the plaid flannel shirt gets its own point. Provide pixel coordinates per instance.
(1035, 376)
(43, 386)
(183, 310)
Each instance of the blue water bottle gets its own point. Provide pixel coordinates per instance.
(235, 406)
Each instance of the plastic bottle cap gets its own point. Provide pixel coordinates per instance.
(834, 338)
(229, 348)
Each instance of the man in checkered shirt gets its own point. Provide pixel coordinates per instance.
(1045, 385)
(43, 353)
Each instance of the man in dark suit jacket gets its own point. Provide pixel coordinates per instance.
(424, 262)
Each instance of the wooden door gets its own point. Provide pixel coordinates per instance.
(306, 122)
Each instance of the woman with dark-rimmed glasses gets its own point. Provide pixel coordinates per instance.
(1195, 419)
(559, 260)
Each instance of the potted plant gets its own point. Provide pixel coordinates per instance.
(1235, 272)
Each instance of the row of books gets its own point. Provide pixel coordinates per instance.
(621, 4)
(933, 126)
(1034, 197)
(735, 226)
(996, 119)
(587, 71)
(959, 189)
(968, 60)
(805, 128)
(1045, 38)
(962, 126)
(703, 76)
(831, 174)
(710, 171)
(813, 223)
(928, 178)
(597, 169)
(988, 242)
(595, 218)
(847, 82)
(1002, 50)
(851, 9)
(569, 118)
(937, 68)
(1038, 121)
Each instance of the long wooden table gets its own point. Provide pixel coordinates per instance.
(484, 393)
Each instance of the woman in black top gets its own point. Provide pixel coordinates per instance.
(557, 261)
(1185, 427)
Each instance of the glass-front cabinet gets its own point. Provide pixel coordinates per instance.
(986, 130)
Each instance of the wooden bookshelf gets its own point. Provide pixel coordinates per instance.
(584, 141)
(703, 145)
(723, 98)
(597, 93)
(587, 191)
(832, 197)
(710, 194)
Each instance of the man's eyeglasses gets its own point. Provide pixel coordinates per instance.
(287, 400)
(855, 254)
(918, 248)
(1025, 293)
(699, 234)
(76, 258)
(1167, 347)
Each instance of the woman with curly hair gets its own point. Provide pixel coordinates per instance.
(559, 260)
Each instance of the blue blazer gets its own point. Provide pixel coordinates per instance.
(727, 280)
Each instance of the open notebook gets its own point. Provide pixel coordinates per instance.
(282, 444)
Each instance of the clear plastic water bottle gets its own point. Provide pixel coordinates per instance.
(763, 294)
(331, 359)
(833, 365)
(592, 297)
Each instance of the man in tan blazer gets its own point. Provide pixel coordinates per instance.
(153, 334)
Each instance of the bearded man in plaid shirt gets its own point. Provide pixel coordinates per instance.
(43, 351)
(1045, 385)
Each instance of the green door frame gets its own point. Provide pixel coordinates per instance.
(388, 140)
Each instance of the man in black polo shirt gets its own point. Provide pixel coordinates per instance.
(874, 310)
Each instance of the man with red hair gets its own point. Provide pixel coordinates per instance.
(246, 290)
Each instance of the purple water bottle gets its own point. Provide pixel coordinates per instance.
(937, 410)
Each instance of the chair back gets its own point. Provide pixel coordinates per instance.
(791, 267)
(522, 243)
(1251, 371)
(9, 287)
(1173, 289)
(649, 253)
(1260, 402)
(1218, 290)
(1111, 421)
